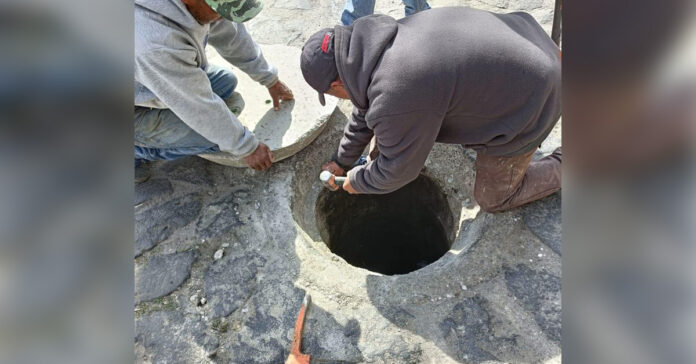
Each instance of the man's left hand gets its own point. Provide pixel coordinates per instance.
(279, 92)
(336, 170)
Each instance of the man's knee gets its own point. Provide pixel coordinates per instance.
(228, 85)
(223, 82)
(229, 80)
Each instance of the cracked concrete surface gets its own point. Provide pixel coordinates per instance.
(494, 297)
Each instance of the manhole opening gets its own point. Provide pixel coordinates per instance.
(395, 233)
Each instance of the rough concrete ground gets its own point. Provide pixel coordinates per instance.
(494, 297)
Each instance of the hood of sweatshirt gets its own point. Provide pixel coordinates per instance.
(358, 51)
(175, 11)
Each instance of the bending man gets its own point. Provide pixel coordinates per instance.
(456, 75)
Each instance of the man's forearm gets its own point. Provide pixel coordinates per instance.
(356, 136)
(236, 46)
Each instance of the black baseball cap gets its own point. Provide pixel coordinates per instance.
(318, 62)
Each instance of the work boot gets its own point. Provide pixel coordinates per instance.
(503, 183)
(236, 103)
(142, 171)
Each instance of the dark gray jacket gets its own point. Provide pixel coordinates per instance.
(456, 75)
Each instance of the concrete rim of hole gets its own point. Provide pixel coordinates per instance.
(308, 192)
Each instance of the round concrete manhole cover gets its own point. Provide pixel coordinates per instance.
(295, 125)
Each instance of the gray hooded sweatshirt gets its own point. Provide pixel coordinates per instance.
(170, 65)
(456, 75)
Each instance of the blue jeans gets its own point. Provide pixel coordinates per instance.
(355, 9)
(160, 135)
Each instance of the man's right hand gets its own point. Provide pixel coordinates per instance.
(261, 159)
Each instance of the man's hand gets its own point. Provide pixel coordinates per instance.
(348, 188)
(261, 159)
(279, 92)
(336, 170)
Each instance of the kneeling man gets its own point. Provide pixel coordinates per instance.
(182, 103)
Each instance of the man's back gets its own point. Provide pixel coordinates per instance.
(485, 75)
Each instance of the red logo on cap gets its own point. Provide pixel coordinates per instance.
(325, 43)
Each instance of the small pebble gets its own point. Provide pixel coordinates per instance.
(203, 301)
(463, 287)
(225, 245)
(540, 255)
(218, 254)
(193, 298)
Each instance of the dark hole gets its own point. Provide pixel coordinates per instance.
(395, 233)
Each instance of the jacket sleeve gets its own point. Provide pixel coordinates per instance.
(175, 78)
(235, 45)
(404, 142)
(356, 136)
